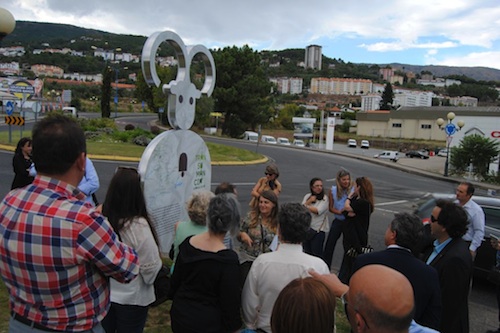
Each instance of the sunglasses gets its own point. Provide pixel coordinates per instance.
(268, 174)
(433, 219)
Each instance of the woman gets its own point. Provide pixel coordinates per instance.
(205, 285)
(317, 204)
(197, 211)
(357, 208)
(336, 198)
(304, 305)
(21, 162)
(269, 182)
(125, 209)
(258, 231)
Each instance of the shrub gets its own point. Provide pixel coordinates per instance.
(155, 130)
(129, 127)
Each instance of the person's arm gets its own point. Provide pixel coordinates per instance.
(90, 181)
(477, 222)
(19, 166)
(255, 191)
(277, 187)
(97, 243)
(332, 282)
(147, 251)
(308, 202)
(250, 298)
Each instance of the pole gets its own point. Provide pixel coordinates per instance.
(116, 92)
(447, 156)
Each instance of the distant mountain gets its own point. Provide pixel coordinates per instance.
(38, 35)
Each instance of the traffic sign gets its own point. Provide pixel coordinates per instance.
(450, 129)
(14, 120)
(9, 108)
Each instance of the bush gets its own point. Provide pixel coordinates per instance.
(155, 130)
(129, 127)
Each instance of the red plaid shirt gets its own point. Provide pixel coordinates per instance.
(56, 254)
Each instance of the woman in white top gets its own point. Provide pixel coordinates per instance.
(125, 209)
(317, 204)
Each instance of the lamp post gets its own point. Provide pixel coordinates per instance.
(449, 128)
(7, 23)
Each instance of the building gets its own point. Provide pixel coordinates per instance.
(47, 70)
(467, 101)
(286, 85)
(340, 86)
(9, 68)
(313, 57)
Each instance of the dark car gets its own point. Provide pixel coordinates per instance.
(485, 256)
(418, 154)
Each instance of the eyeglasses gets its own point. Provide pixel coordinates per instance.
(346, 304)
(268, 174)
(433, 219)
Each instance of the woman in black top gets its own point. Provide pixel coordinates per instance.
(205, 286)
(358, 208)
(21, 163)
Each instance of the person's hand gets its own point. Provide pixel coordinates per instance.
(99, 209)
(331, 281)
(244, 238)
(473, 254)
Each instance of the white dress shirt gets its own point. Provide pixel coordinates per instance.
(475, 228)
(270, 273)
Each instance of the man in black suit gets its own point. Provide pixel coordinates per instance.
(401, 237)
(453, 262)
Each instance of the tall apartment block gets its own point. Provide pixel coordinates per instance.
(313, 57)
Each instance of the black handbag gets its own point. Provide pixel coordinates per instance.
(162, 286)
(494, 275)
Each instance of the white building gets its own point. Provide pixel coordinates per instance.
(340, 86)
(313, 57)
(287, 85)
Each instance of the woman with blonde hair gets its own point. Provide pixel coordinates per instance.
(257, 231)
(336, 198)
(304, 305)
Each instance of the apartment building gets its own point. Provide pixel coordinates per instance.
(340, 86)
(313, 57)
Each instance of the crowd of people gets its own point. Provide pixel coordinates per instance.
(71, 264)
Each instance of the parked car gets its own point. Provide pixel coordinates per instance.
(388, 155)
(365, 144)
(251, 136)
(283, 141)
(442, 152)
(299, 143)
(485, 256)
(268, 139)
(418, 154)
(352, 143)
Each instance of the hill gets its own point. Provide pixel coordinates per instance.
(34, 35)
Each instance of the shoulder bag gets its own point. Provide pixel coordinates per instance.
(162, 286)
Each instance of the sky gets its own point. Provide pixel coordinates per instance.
(415, 32)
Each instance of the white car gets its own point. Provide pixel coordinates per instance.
(298, 143)
(283, 141)
(388, 155)
(442, 152)
(268, 139)
(352, 143)
(365, 144)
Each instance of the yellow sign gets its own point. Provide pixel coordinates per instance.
(216, 114)
(14, 120)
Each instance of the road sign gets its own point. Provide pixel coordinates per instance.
(216, 114)
(14, 120)
(9, 108)
(22, 89)
(450, 129)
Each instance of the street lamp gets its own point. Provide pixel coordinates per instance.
(116, 89)
(449, 128)
(7, 23)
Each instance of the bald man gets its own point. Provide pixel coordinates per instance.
(378, 299)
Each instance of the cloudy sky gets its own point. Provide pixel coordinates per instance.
(418, 32)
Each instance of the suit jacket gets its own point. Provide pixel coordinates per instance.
(454, 267)
(423, 278)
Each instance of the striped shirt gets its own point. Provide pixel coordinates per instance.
(56, 256)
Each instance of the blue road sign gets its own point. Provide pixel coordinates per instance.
(9, 108)
(450, 129)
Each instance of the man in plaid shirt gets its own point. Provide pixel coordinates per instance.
(57, 252)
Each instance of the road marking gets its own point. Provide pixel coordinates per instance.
(237, 184)
(391, 203)
(387, 210)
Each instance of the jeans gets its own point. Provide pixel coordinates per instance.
(314, 246)
(125, 318)
(18, 327)
(331, 241)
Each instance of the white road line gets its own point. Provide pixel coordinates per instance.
(391, 203)
(387, 210)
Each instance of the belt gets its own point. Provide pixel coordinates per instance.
(30, 323)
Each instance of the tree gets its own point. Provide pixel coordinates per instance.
(242, 91)
(107, 77)
(387, 98)
(475, 149)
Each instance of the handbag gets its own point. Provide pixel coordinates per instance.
(494, 275)
(364, 249)
(311, 233)
(162, 286)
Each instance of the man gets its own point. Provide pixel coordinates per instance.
(378, 299)
(453, 262)
(271, 272)
(57, 251)
(475, 214)
(401, 237)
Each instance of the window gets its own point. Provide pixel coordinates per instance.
(425, 126)
(397, 125)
